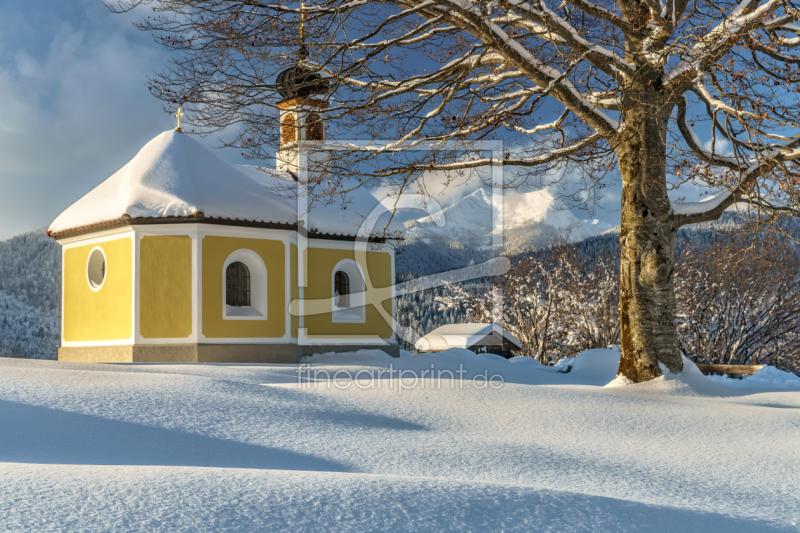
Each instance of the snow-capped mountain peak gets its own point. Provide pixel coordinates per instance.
(536, 207)
(531, 219)
(595, 226)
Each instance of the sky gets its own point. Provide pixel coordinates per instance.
(73, 104)
(74, 108)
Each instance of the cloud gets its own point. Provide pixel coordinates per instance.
(73, 109)
(435, 186)
(721, 146)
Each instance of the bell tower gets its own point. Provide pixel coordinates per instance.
(300, 116)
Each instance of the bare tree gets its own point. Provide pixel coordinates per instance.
(735, 307)
(736, 304)
(586, 86)
(589, 298)
(559, 301)
(531, 291)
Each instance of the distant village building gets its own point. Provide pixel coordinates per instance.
(183, 257)
(477, 337)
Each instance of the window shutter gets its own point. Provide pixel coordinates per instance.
(314, 128)
(288, 129)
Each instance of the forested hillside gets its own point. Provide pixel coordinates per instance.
(30, 296)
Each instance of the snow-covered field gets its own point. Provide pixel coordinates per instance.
(87, 447)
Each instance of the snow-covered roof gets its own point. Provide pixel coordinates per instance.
(462, 336)
(174, 176)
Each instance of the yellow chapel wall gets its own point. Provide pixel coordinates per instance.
(294, 288)
(378, 269)
(215, 250)
(165, 288)
(105, 314)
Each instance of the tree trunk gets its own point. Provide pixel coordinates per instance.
(647, 242)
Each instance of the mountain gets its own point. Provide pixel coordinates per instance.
(596, 227)
(529, 220)
(30, 296)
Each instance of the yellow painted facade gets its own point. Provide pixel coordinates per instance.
(215, 251)
(165, 293)
(294, 287)
(165, 296)
(378, 271)
(106, 314)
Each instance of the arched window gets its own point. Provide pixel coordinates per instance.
(244, 286)
(287, 129)
(314, 129)
(341, 290)
(237, 285)
(349, 292)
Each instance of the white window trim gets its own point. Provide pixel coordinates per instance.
(96, 288)
(356, 313)
(257, 310)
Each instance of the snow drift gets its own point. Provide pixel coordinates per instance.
(164, 447)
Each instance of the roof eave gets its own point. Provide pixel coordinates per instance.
(129, 221)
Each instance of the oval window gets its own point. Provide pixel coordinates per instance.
(96, 269)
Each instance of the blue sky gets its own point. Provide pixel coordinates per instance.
(73, 104)
(74, 107)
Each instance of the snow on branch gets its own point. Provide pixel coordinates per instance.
(416, 84)
(559, 86)
(743, 19)
(555, 125)
(699, 208)
(600, 12)
(694, 212)
(600, 56)
(548, 157)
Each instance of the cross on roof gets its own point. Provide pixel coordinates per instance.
(179, 115)
(302, 20)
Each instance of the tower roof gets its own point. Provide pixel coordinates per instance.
(176, 177)
(299, 82)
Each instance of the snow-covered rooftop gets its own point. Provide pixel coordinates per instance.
(462, 336)
(176, 176)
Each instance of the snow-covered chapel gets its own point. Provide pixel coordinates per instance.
(182, 257)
